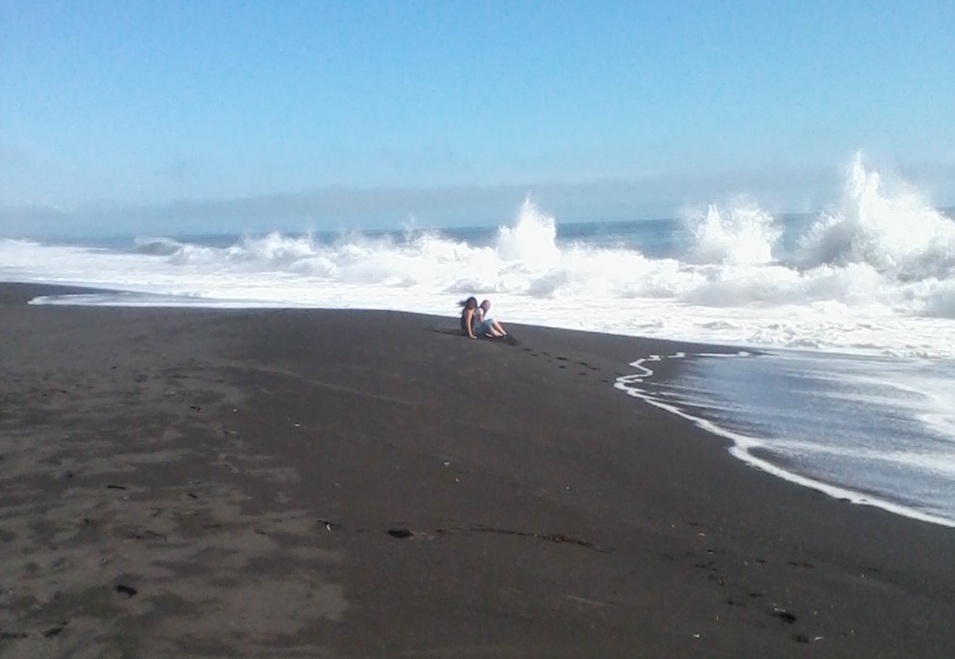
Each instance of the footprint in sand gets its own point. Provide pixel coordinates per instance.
(128, 591)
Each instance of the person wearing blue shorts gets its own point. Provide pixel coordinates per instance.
(486, 324)
(476, 323)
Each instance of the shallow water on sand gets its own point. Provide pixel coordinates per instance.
(874, 430)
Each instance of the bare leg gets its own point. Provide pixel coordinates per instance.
(496, 326)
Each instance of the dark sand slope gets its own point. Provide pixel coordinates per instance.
(361, 484)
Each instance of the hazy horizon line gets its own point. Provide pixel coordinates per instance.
(340, 206)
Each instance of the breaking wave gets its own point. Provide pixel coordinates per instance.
(875, 272)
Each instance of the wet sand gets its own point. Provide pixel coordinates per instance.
(212, 483)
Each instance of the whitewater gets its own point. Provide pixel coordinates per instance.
(856, 302)
(876, 274)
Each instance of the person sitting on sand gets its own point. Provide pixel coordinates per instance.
(474, 326)
(468, 307)
(484, 320)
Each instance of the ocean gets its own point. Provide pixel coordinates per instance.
(843, 377)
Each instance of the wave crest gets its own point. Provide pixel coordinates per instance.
(742, 234)
(878, 272)
(892, 228)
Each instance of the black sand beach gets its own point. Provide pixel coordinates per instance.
(289, 483)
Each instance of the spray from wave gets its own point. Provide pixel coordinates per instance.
(743, 234)
(889, 228)
(876, 272)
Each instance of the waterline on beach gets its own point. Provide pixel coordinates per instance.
(835, 424)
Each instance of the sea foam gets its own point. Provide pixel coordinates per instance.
(875, 272)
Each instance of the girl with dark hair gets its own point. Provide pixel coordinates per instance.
(474, 323)
(467, 316)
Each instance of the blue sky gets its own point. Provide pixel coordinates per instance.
(302, 114)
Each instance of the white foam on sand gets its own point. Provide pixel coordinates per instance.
(744, 446)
